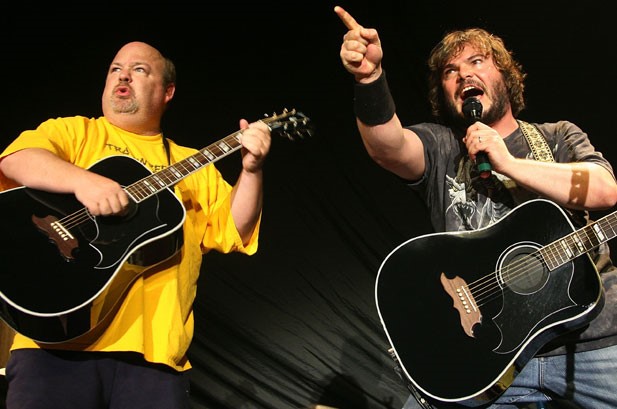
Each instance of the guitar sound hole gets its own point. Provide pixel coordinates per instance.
(522, 270)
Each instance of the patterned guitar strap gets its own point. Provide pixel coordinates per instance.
(537, 143)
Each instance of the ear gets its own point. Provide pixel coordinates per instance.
(169, 92)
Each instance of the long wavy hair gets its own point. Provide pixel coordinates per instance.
(452, 45)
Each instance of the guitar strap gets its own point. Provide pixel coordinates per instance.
(536, 142)
(542, 152)
(166, 146)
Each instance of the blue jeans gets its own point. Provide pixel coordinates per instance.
(580, 380)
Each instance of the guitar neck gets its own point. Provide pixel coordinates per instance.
(288, 123)
(580, 242)
(153, 184)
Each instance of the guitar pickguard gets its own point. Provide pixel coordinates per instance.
(532, 295)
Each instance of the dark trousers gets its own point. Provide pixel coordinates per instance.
(45, 379)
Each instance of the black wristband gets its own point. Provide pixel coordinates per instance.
(373, 102)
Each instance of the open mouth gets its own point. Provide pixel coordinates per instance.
(471, 91)
(122, 91)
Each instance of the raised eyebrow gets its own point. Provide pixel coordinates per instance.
(451, 66)
(476, 56)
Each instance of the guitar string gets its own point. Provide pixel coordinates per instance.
(140, 190)
(136, 190)
(518, 271)
(552, 251)
(487, 287)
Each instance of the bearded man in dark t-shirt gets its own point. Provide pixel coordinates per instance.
(480, 169)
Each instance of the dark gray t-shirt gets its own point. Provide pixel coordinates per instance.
(458, 199)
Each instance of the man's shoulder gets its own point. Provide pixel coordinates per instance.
(70, 124)
(185, 150)
(76, 120)
(431, 127)
(434, 134)
(555, 127)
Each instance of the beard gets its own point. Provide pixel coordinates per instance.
(124, 105)
(501, 100)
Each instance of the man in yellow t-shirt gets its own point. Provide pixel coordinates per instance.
(135, 354)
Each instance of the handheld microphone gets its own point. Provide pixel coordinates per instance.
(472, 109)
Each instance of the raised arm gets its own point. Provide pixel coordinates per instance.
(389, 144)
(247, 194)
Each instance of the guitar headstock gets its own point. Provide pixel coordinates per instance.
(290, 124)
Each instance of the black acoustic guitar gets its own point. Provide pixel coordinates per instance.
(465, 311)
(65, 271)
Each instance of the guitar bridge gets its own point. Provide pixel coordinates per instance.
(463, 302)
(57, 234)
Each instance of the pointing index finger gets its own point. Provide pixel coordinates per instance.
(346, 18)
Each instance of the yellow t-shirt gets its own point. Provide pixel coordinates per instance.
(156, 314)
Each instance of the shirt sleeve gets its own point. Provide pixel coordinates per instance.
(206, 196)
(48, 135)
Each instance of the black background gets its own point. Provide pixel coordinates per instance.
(297, 324)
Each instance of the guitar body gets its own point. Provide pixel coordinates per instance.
(52, 291)
(466, 347)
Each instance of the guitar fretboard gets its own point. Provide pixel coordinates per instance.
(169, 176)
(580, 242)
(289, 123)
